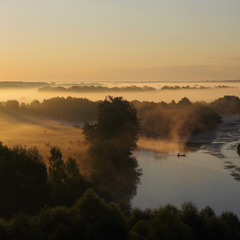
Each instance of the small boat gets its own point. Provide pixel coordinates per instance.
(181, 155)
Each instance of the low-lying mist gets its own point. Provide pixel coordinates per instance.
(31, 131)
(163, 91)
(162, 146)
(165, 127)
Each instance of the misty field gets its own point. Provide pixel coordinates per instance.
(44, 134)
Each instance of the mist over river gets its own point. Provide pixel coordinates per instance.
(207, 175)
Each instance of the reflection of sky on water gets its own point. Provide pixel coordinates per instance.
(205, 177)
(198, 177)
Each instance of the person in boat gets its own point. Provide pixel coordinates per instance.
(181, 155)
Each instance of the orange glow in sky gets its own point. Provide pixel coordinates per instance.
(119, 40)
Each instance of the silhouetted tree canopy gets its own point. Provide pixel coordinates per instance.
(24, 183)
(24, 187)
(228, 105)
(66, 181)
(175, 121)
(96, 89)
(93, 218)
(112, 140)
(157, 120)
(12, 105)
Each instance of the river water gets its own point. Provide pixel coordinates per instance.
(209, 175)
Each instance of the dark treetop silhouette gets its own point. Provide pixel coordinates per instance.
(112, 140)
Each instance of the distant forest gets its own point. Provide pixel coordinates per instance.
(98, 87)
(132, 88)
(175, 120)
(176, 87)
(95, 89)
(22, 85)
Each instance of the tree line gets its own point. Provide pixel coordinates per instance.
(91, 217)
(65, 109)
(175, 120)
(93, 88)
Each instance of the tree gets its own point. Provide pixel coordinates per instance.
(167, 224)
(112, 140)
(12, 105)
(24, 184)
(190, 216)
(99, 220)
(67, 182)
(184, 101)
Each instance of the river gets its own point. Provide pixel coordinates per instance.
(207, 176)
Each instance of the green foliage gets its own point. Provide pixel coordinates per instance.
(161, 120)
(175, 121)
(101, 220)
(112, 140)
(65, 109)
(12, 105)
(232, 222)
(192, 218)
(140, 231)
(158, 120)
(138, 214)
(66, 181)
(167, 224)
(26, 186)
(69, 109)
(184, 102)
(228, 105)
(170, 223)
(3, 230)
(92, 218)
(117, 120)
(23, 181)
(207, 213)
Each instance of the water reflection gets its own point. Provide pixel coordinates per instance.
(206, 176)
(199, 177)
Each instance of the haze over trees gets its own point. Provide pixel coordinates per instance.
(227, 105)
(175, 120)
(21, 85)
(157, 120)
(65, 109)
(112, 140)
(93, 88)
(66, 181)
(133, 88)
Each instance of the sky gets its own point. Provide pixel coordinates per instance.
(113, 40)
